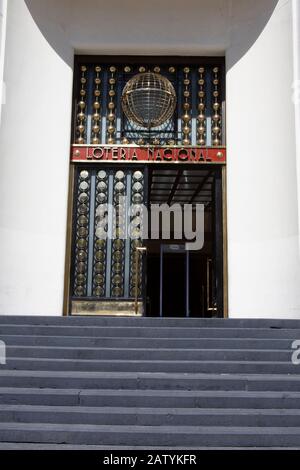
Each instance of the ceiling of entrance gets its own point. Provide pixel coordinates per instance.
(134, 27)
(182, 186)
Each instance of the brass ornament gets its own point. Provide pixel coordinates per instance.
(81, 116)
(148, 99)
(216, 118)
(111, 129)
(82, 233)
(201, 119)
(186, 118)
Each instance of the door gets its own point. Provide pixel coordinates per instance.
(107, 276)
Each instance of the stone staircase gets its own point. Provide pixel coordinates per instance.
(86, 382)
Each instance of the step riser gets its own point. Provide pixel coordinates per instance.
(150, 439)
(248, 397)
(148, 383)
(151, 401)
(141, 419)
(175, 343)
(159, 366)
(147, 354)
(146, 332)
(131, 321)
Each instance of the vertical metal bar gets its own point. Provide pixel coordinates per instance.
(89, 105)
(91, 234)
(136, 288)
(194, 106)
(161, 283)
(187, 283)
(127, 239)
(218, 261)
(179, 105)
(118, 109)
(110, 232)
(209, 110)
(104, 106)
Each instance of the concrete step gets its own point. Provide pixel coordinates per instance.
(150, 398)
(150, 435)
(149, 382)
(148, 321)
(131, 342)
(146, 380)
(149, 416)
(150, 332)
(167, 366)
(52, 352)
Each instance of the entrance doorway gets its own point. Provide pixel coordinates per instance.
(181, 282)
(145, 133)
(146, 275)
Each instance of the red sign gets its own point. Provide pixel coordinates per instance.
(118, 153)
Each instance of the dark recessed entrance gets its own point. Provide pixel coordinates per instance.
(180, 282)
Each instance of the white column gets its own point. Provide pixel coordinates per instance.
(296, 90)
(34, 163)
(3, 14)
(263, 254)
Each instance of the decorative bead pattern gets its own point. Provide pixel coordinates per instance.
(186, 118)
(201, 118)
(118, 244)
(111, 118)
(100, 239)
(136, 223)
(96, 118)
(82, 233)
(81, 116)
(216, 125)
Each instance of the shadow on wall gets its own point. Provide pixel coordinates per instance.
(173, 27)
(247, 22)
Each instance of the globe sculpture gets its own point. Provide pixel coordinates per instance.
(148, 99)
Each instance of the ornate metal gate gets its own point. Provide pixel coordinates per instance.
(104, 264)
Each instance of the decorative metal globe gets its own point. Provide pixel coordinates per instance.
(148, 99)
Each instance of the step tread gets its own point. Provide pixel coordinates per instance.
(145, 393)
(212, 430)
(101, 348)
(144, 327)
(145, 361)
(158, 375)
(144, 410)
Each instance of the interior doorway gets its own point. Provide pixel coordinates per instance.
(180, 282)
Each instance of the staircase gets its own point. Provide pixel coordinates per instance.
(86, 382)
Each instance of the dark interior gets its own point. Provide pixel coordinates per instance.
(186, 186)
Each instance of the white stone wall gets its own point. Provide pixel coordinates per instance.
(263, 251)
(34, 166)
(256, 37)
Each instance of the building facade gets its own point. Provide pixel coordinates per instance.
(236, 65)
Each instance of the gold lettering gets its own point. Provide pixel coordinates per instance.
(114, 153)
(97, 153)
(122, 153)
(158, 155)
(167, 155)
(183, 155)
